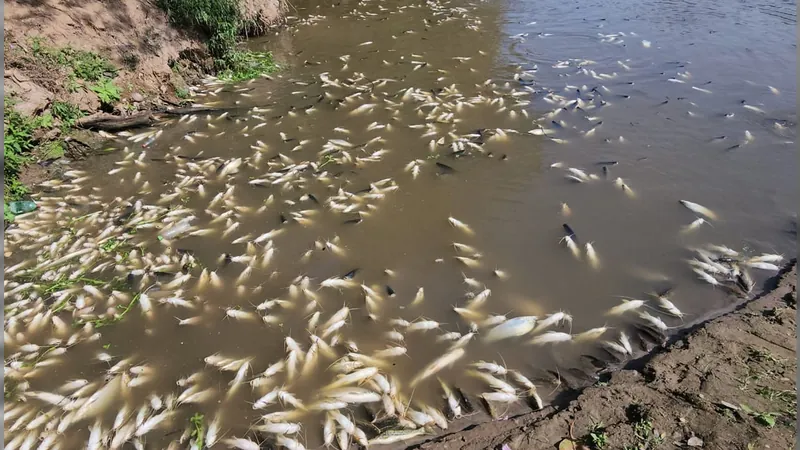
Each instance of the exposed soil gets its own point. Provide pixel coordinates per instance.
(714, 387)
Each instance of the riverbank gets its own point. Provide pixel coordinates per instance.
(726, 384)
(65, 61)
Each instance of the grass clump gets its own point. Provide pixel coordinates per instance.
(66, 112)
(221, 22)
(87, 66)
(247, 64)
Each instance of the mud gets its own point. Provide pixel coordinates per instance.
(700, 386)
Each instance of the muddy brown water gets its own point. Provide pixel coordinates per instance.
(509, 195)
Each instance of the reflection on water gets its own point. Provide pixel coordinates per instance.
(377, 224)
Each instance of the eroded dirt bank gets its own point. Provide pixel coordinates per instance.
(728, 384)
(136, 36)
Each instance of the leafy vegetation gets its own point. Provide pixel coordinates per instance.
(21, 147)
(768, 419)
(182, 93)
(88, 66)
(221, 22)
(106, 91)
(17, 145)
(52, 150)
(646, 437)
(198, 429)
(596, 438)
(66, 112)
(245, 65)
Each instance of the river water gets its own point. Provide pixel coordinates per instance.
(387, 119)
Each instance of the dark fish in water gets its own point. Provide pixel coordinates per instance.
(717, 138)
(283, 218)
(744, 281)
(312, 198)
(664, 102)
(124, 216)
(350, 275)
(468, 406)
(605, 171)
(364, 191)
(444, 168)
(352, 221)
(665, 292)
(389, 291)
(570, 232)
(733, 147)
(556, 124)
(227, 259)
(607, 163)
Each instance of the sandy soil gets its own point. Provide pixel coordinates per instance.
(719, 385)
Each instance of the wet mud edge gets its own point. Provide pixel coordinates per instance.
(720, 383)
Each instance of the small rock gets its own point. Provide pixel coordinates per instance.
(137, 97)
(52, 134)
(694, 441)
(86, 101)
(33, 98)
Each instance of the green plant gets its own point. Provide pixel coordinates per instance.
(52, 150)
(84, 65)
(197, 422)
(66, 112)
(91, 66)
(768, 419)
(17, 144)
(221, 22)
(8, 216)
(182, 93)
(43, 121)
(646, 437)
(596, 438)
(106, 91)
(245, 64)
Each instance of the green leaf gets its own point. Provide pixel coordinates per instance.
(766, 419)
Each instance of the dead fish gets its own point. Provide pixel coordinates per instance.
(699, 209)
(569, 232)
(444, 169)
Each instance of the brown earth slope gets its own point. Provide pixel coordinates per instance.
(134, 34)
(729, 384)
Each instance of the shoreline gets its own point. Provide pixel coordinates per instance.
(726, 383)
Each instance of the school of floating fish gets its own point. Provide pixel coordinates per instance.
(86, 261)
